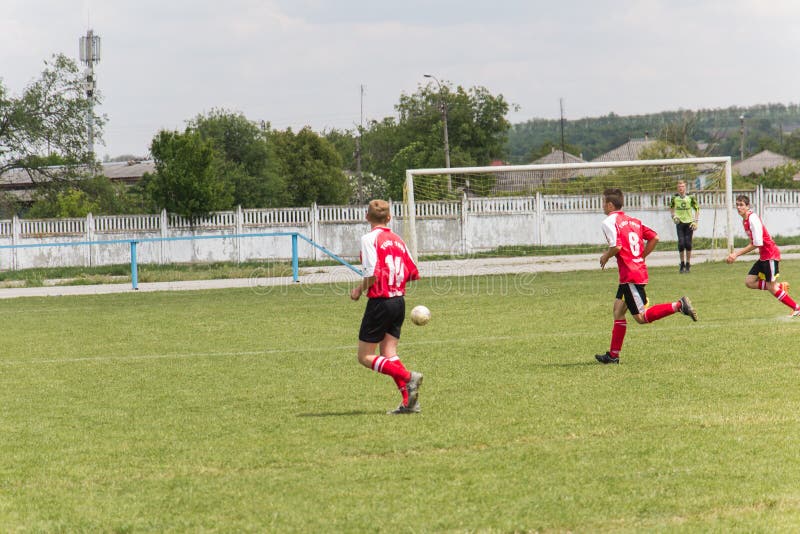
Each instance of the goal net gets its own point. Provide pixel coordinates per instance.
(556, 209)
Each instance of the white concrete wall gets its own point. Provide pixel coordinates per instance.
(458, 227)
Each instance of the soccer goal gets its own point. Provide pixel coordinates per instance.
(556, 209)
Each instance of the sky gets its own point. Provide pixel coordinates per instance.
(296, 63)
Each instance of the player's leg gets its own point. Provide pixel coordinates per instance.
(651, 314)
(779, 289)
(389, 351)
(688, 247)
(757, 276)
(378, 326)
(618, 330)
(681, 247)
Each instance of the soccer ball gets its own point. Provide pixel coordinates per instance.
(420, 315)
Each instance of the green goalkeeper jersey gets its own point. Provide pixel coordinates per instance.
(683, 206)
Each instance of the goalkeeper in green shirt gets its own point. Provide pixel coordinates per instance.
(685, 212)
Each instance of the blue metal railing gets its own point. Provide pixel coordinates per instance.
(134, 242)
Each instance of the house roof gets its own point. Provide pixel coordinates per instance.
(626, 152)
(558, 156)
(19, 183)
(758, 163)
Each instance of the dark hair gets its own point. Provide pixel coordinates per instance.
(743, 198)
(613, 195)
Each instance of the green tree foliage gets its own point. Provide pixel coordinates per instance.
(312, 167)
(95, 194)
(718, 128)
(477, 130)
(46, 125)
(248, 161)
(188, 180)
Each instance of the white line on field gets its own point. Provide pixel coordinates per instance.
(679, 325)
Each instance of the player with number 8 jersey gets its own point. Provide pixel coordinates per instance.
(387, 266)
(630, 242)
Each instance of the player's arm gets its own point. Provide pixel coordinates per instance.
(369, 259)
(672, 210)
(650, 245)
(364, 286)
(696, 208)
(736, 253)
(607, 255)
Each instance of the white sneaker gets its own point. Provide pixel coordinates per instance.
(403, 409)
(412, 387)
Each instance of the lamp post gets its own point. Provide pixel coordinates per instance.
(443, 105)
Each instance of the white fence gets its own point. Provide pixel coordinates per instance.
(458, 227)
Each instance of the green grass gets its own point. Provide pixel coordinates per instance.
(111, 274)
(245, 410)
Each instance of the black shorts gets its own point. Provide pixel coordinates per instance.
(635, 297)
(765, 270)
(381, 317)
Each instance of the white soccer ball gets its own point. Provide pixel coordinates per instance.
(420, 315)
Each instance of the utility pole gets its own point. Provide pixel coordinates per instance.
(443, 106)
(90, 54)
(360, 192)
(741, 137)
(563, 155)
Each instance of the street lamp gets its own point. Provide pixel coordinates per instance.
(443, 105)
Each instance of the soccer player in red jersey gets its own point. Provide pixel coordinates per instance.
(387, 266)
(763, 274)
(630, 242)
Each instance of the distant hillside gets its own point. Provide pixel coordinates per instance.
(765, 126)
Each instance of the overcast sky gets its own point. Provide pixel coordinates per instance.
(302, 62)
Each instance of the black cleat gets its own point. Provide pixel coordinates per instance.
(687, 308)
(606, 358)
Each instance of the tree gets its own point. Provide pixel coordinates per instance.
(312, 167)
(96, 194)
(248, 161)
(46, 125)
(477, 132)
(188, 178)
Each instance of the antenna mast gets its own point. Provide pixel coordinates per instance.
(89, 47)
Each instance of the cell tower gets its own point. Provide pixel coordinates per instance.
(90, 54)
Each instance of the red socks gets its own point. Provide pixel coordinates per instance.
(659, 311)
(784, 297)
(617, 337)
(394, 368)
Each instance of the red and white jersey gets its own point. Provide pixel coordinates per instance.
(630, 235)
(384, 255)
(759, 237)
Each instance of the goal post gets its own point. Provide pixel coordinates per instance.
(557, 205)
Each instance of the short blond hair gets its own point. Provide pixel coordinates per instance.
(378, 211)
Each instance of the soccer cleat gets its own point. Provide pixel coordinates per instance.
(688, 268)
(606, 358)
(403, 409)
(412, 387)
(683, 268)
(687, 308)
(795, 313)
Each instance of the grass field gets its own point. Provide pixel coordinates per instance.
(245, 410)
